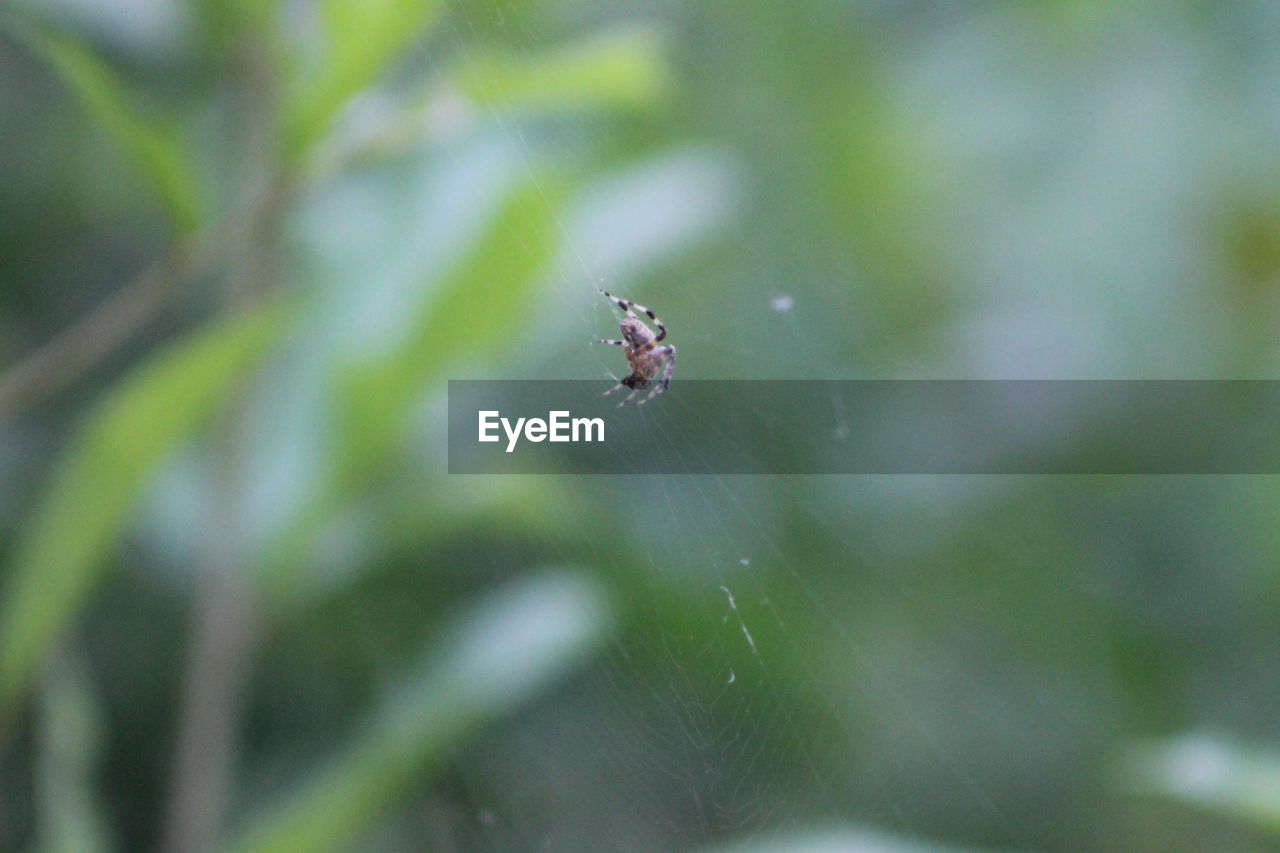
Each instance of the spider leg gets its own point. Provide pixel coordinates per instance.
(634, 392)
(670, 368)
(627, 305)
(669, 353)
(615, 343)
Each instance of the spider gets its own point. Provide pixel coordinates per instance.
(641, 346)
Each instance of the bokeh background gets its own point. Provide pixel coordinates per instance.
(245, 243)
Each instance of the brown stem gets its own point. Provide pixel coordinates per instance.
(225, 618)
(104, 329)
(223, 636)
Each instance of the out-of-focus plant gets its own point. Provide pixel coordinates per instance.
(841, 840)
(283, 225)
(88, 503)
(1210, 773)
(494, 658)
(287, 103)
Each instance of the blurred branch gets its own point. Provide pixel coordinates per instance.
(103, 330)
(225, 618)
(223, 636)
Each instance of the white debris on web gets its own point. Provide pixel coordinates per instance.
(782, 303)
(733, 605)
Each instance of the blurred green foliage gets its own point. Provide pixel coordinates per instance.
(519, 640)
(360, 39)
(92, 496)
(156, 151)
(228, 541)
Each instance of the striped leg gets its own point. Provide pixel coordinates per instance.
(670, 369)
(627, 305)
(667, 371)
(634, 392)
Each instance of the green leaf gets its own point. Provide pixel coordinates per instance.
(363, 36)
(482, 302)
(65, 545)
(852, 839)
(155, 150)
(1209, 773)
(70, 744)
(514, 644)
(624, 68)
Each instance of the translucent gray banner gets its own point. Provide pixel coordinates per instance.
(868, 427)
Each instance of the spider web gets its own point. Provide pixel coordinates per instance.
(802, 654)
(724, 710)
